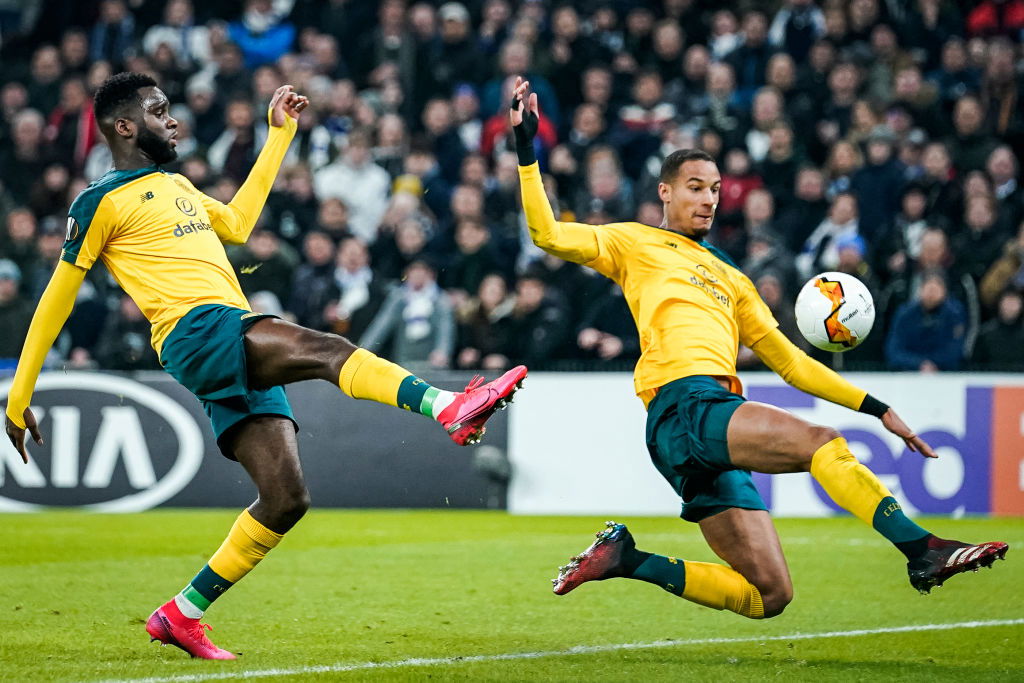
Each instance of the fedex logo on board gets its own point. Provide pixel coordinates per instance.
(979, 436)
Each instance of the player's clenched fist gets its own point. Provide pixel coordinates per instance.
(286, 102)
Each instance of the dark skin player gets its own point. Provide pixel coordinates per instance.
(277, 352)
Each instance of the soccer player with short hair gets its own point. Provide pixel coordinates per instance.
(162, 240)
(693, 307)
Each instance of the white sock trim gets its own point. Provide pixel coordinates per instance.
(442, 401)
(187, 608)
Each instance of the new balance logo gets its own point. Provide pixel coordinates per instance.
(144, 196)
(672, 244)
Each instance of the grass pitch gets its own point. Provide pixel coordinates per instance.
(410, 595)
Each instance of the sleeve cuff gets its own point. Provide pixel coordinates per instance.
(872, 406)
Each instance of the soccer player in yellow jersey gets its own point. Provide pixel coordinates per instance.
(692, 307)
(162, 240)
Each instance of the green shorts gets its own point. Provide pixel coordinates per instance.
(205, 352)
(687, 423)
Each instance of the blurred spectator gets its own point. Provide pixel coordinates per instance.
(738, 179)
(795, 28)
(453, 58)
(113, 33)
(808, 208)
(264, 265)
(356, 293)
(843, 162)
(1001, 339)
(71, 129)
(15, 311)
(607, 331)
(1002, 168)
(767, 255)
(189, 42)
(235, 150)
(312, 280)
(942, 192)
(540, 323)
(820, 251)
(515, 60)
(292, 204)
(877, 185)
(484, 329)
(927, 333)
(902, 242)
(969, 145)
(415, 321)
(606, 189)
(749, 60)
(920, 100)
(778, 168)
(1006, 271)
(955, 78)
(360, 183)
(261, 33)
(23, 161)
(443, 137)
(49, 195)
(389, 43)
(1001, 90)
(124, 341)
(474, 258)
(231, 78)
(978, 243)
(393, 253)
(19, 240)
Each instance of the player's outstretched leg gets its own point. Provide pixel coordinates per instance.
(280, 352)
(766, 439)
(614, 555)
(266, 447)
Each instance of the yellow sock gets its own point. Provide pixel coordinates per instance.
(247, 543)
(856, 488)
(367, 376)
(720, 587)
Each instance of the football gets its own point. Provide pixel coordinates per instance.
(834, 311)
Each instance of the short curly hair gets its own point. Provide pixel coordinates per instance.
(117, 91)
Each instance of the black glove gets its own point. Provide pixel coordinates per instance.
(524, 134)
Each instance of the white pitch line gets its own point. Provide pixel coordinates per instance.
(577, 650)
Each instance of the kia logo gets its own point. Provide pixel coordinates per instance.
(112, 445)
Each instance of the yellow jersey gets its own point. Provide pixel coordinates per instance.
(692, 306)
(161, 238)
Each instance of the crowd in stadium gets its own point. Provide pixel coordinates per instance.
(876, 137)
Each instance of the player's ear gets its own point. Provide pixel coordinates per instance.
(665, 192)
(124, 127)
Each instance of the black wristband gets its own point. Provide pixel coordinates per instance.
(523, 137)
(872, 406)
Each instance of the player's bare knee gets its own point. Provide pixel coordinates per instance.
(285, 507)
(775, 598)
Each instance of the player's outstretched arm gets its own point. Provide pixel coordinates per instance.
(234, 222)
(817, 379)
(574, 242)
(52, 312)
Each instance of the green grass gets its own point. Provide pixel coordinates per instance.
(350, 587)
